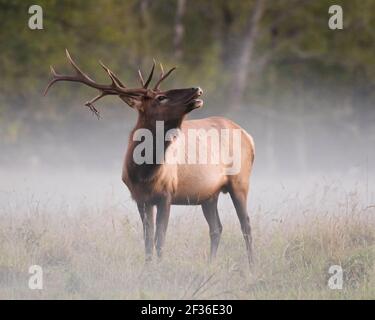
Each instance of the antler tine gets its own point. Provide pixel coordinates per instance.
(150, 76)
(115, 79)
(53, 71)
(108, 72)
(55, 75)
(163, 76)
(162, 69)
(76, 68)
(141, 78)
(90, 104)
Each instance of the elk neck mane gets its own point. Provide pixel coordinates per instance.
(147, 172)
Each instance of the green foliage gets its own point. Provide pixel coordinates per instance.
(300, 51)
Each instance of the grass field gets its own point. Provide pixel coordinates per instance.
(97, 253)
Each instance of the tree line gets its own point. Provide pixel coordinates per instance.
(276, 58)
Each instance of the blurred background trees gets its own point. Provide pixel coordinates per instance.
(274, 66)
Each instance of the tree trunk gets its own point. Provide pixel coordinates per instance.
(179, 29)
(227, 41)
(243, 66)
(144, 27)
(143, 7)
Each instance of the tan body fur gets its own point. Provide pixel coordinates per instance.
(193, 184)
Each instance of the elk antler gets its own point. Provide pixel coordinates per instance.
(162, 76)
(115, 88)
(145, 84)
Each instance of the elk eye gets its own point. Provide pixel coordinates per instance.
(161, 98)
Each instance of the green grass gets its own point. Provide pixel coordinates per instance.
(98, 254)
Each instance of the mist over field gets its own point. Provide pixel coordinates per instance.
(64, 207)
(86, 158)
(304, 92)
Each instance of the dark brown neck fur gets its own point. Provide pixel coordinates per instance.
(146, 172)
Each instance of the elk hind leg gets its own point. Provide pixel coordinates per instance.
(239, 198)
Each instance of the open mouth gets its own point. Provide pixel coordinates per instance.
(197, 103)
(194, 102)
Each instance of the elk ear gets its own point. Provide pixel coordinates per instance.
(133, 102)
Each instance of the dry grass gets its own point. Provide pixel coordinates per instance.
(98, 254)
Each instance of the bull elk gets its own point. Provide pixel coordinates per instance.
(164, 184)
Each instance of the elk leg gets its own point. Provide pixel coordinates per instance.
(162, 218)
(211, 214)
(147, 215)
(240, 203)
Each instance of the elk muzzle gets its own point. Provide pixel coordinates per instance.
(194, 102)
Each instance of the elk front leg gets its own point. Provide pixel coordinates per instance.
(212, 216)
(147, 215)
(162, 217)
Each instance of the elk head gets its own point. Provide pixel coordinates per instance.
(155, 104)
